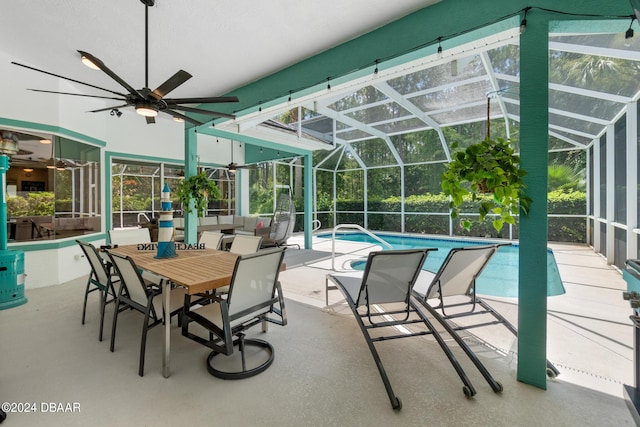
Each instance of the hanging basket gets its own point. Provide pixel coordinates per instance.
(482, 187)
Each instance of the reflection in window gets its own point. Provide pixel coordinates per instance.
(53, 188)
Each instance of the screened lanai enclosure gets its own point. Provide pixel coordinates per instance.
(390, 135)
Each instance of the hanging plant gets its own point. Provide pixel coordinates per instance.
(489, 167)
(200, 189)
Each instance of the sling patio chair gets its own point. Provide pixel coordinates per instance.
(452, 291)
(134, 236)
(380, 299)
(100, 279)
(255, 297)
(143, 296)
(211, 239)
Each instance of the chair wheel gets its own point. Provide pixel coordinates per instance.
(551, 373)
(398, 404)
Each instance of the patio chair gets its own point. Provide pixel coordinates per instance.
(129, 236)
(243, 244)
(100, 279)
(380, 299)
(452, 288)
(140, 295)
(134, 236)
(211, 239)
(255, 296)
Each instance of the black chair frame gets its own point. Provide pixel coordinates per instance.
(411, 314)
(94, 283)
(223, 340)
(124, 301)
(440, 313)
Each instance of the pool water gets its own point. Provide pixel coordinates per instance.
(499, 278)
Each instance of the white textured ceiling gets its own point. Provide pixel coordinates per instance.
(224, 44)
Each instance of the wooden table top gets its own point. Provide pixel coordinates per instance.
(197, 270)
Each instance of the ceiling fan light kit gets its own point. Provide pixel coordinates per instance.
(86, 61)
(147, 102)
(146, 109)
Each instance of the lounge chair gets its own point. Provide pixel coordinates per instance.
(452, 288)
(380, 299)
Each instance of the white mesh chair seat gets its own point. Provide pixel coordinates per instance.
(134, 236)
(129, 236)
(211, 239)
(254, 297)
(243, 244)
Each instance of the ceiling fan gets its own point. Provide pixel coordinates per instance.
(147, 102)
(233, 166)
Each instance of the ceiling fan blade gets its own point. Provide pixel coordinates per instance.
(210, 100)
(109, 108)
(183, 117)
(67, 78)
(108, 72)
(201, 111)
(173, 82)
(76, 94)
(150, 120)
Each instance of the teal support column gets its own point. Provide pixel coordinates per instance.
(534, 113)
(190, 169)
(308, 199)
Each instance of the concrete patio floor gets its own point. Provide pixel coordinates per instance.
(323, 374)
(590, 337)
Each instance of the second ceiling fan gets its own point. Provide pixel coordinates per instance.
(147, 102)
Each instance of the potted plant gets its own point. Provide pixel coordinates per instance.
(487, 168)
(200, 189)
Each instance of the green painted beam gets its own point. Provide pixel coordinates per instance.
(308, 200)
(51, 129)
(254, 154)
(190, 169)
(534, 119)
(296, 151)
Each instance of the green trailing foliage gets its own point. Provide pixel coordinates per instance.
(200, 189)
(486, 167)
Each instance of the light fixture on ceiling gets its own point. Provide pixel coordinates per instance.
(629, 33)
(523, 23)
(28, 170)
(88, 62)
(232, 167)
(178, 119)
(51, 164)
(146, 109)
(60, 165)
(115, 112)
(45, 141)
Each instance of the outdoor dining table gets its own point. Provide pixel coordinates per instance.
(198, 270)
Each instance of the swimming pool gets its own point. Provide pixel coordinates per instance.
(499, 278)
